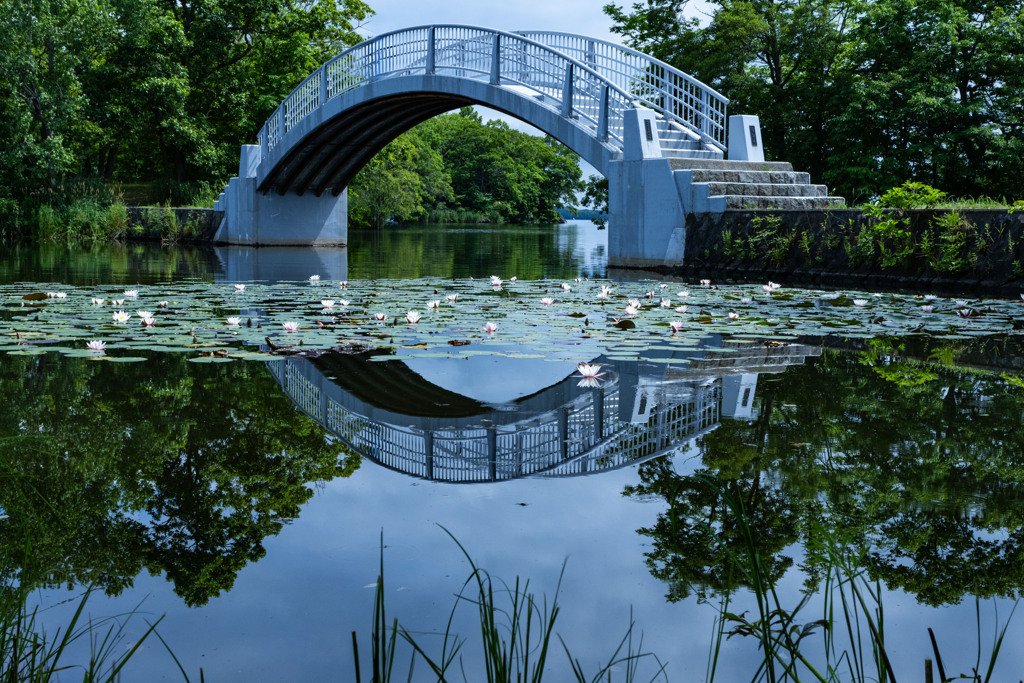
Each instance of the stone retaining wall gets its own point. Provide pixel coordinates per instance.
(153, 220)
(923, 250)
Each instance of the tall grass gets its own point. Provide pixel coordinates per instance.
(517, 631)
(852, 623)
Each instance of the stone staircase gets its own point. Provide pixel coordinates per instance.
(717, 185)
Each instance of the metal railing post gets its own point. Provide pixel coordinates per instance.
(567, 91)
(496, 60)
(323, 86)
(431, 63)
(602, 116)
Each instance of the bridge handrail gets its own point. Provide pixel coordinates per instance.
(479, 52)
(702, 104)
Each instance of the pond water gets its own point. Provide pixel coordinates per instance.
(251, 498)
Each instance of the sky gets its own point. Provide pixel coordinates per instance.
(573, 16)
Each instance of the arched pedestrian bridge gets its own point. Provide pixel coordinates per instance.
(388, 413)
(656, 133)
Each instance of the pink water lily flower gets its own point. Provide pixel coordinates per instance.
(290, 326)
(96, 345)
(927, 309)
(681, 309)
(547, 300)
(412, 317)
(631, 310)
(496, 281)
(676, 326)
(490, 328)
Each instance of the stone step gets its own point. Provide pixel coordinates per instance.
(762, 189)
(697, 154)
(733, 202)
(724, 165)
(707, 175)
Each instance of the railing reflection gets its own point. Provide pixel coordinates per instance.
(568, 430)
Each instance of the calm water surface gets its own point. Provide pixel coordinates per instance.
(247, 501)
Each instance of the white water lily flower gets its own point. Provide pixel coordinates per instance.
(860, 302)
(566, 287)
(234, 321)
(681, 309)
(412, 317)
(676, 326)
(96, 345)
(290, 326)
(314, 278)
(380, 316)
(631, 310)
(131, 293)
(144, 314)
(434, 304)
(451, 298)
(733, 315)
(97, 302)
(490, 328)
(547, 300)
(121, 317)
(327, 303)
(239, 288)
(589, 370)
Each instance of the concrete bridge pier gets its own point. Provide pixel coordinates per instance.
(646, 210)
(253, 218)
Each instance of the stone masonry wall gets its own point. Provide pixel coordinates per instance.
(944, 252)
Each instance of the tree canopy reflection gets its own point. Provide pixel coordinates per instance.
(920, 464)
(169, 466)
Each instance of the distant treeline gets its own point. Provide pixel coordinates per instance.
(455, 168)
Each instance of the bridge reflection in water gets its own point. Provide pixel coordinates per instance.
(386, 412)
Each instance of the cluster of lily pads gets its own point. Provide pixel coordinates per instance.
(218, 322)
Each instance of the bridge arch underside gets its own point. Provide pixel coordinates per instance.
(322, 152)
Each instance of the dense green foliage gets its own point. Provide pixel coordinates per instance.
(167, 465)
(145, 89)
(863, 94)
(873, 450)
(454, 168)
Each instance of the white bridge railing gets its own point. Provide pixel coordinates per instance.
(591, 81)
(583, 436)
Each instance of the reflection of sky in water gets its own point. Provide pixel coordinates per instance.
(289, 616)
(490, 379)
